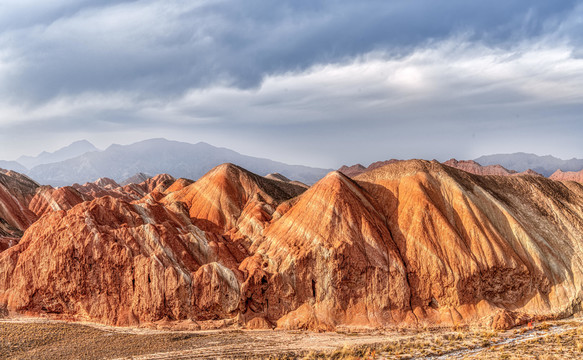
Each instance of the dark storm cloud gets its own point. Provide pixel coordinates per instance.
(319, 82)
(163, 48)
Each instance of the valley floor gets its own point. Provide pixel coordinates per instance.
(33, 338)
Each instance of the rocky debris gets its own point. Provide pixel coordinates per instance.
(505, 320)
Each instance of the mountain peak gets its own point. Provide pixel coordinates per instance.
(70, 151)
(158, 156)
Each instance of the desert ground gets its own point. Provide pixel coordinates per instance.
(38, 338)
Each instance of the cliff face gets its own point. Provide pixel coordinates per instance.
(412, 242)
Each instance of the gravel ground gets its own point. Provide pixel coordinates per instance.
(33, 338)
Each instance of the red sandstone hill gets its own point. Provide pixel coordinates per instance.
(475, 168)
(568, 176)
(465, 165)
(16, 191)
(412, 242)
(49, 199)
(355, 170)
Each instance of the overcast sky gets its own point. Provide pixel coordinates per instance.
(321, 83)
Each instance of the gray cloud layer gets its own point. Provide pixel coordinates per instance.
(335, 78)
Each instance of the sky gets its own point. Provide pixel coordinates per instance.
(321, 83)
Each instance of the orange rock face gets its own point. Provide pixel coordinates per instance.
(411, 242)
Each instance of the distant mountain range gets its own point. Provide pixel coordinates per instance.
(82, 162)
(545, 165)
(75, 149)
(12, 165)
(157, 156)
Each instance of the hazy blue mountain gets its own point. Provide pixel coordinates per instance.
(12, 165)
(156, 156)
(68, 152)
(545, 165)
(136, 179)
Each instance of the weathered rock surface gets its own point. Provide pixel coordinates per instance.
(411, 242)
